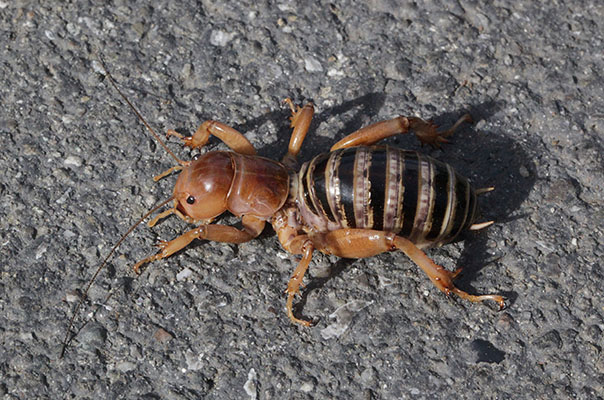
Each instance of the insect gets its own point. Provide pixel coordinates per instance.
(355, 201)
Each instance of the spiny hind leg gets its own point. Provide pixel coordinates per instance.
(359, 243)
(442, 278)
(424, 130)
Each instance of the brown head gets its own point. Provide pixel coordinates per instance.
(202, 187)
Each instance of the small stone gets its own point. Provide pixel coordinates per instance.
(384, 281)
(250, 385)
(311, 64)
(161, 335)
(184, 274)
(368, 377)
(194, 361)
(343, 316)
(125, 366)
(93, 337)
(40, 251)
(220, 38)
(67, 234)
(72, 161)
(505, 321)
(307, 387)
(72, 297)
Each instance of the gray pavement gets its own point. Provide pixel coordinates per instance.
(209, 322)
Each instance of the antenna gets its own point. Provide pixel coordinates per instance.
(138, 114)
(67, 339)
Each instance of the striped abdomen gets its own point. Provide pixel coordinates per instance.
(386, 189)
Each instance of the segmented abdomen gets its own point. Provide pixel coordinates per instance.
(386, 189)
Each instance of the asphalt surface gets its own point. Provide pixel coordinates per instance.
(209, 322)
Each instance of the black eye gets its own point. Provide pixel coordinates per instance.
(191, 200)
(196, 157)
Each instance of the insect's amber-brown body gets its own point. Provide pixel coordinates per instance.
(358, 200)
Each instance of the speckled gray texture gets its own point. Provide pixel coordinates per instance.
(209, 322)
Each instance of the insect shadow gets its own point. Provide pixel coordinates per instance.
(490, 158)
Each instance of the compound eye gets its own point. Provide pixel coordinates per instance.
(191, 200)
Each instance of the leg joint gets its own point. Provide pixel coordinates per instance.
(390, 241)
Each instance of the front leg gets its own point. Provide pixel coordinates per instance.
(252, 227)
(230, 136)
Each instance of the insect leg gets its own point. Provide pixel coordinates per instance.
(352, 243)
(441, 278)
(425, 131)
(296, 244)
(252, 227)
(357, 243)
(300, 121)
(230, 136)
(293, 286)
